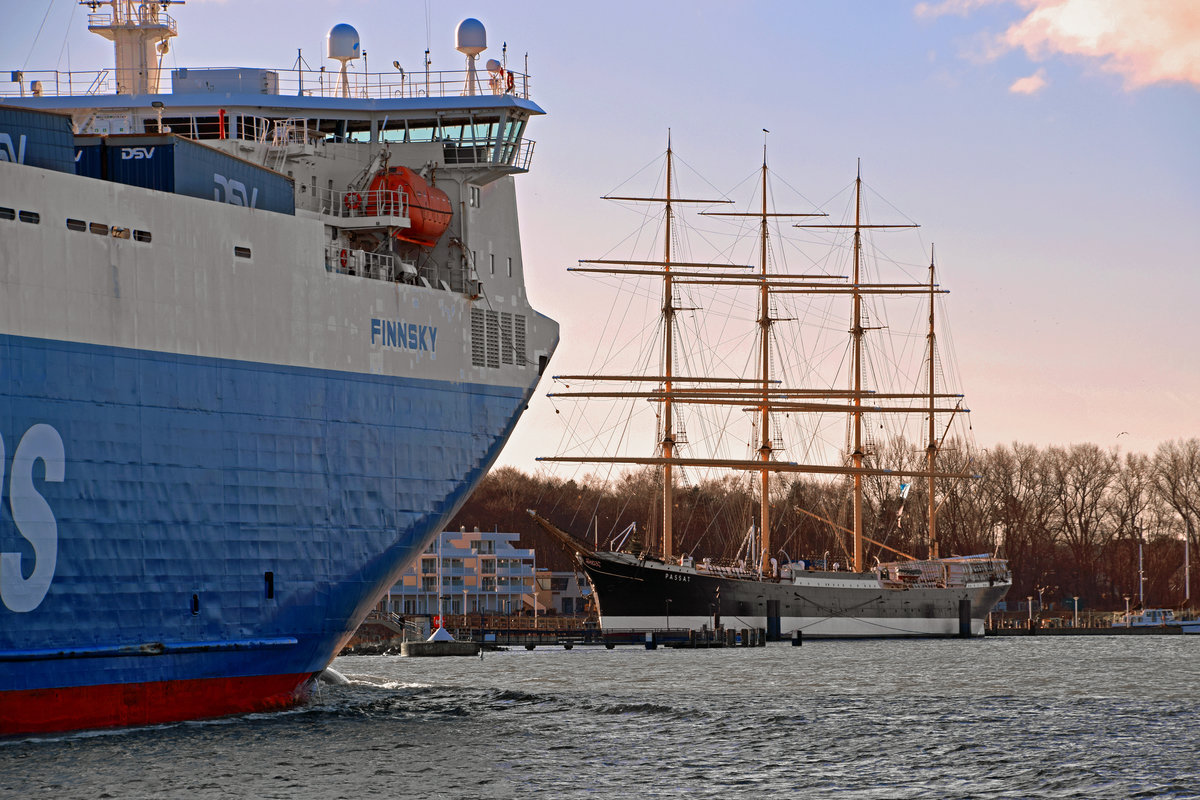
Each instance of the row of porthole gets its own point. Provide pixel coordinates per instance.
(98, 228)
(25, 216)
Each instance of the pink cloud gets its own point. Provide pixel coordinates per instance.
(1144, 42)
(1030, 84)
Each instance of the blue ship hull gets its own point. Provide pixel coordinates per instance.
(215, 520)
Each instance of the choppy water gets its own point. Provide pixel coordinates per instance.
(1047, 718)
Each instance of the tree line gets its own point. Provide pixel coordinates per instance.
(1069, 519)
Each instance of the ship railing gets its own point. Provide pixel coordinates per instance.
(379, 266)
(291, 82)
(400, 84)
(57, 83)
(482, 152)
(359, 205)
(161, 20)
(945, 571)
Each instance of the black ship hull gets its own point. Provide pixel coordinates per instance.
(647, 594)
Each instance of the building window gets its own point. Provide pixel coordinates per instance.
(429, 584)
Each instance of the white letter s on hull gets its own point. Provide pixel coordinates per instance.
(34, 518)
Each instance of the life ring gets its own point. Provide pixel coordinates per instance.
(343, 258)
(353, 201)
(510, 82)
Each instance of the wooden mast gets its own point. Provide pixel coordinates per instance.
(668, 432)
(932, 448)
(759, 392)
(856, 331)
(764, 325)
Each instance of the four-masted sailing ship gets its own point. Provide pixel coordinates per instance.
(645, 590)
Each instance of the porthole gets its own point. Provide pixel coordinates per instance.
(30, 216)
(76, 224)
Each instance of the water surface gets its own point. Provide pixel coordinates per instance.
(1096, 717)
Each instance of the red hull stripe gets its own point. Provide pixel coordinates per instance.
(122, 704)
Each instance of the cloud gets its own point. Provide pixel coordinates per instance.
(1144, 42)
(959, 8)
(1031, 84)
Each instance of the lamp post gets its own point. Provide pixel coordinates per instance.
(1029, 602)
(1076, 599)
(1126, 611)
(668, 613)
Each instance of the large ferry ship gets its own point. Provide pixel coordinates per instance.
(261, 333)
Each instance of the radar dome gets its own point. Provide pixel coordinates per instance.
(470, 38)
(493, 65)
(343, 42)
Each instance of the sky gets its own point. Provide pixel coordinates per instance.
(1048, 148)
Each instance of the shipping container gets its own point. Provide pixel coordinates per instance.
(172, 163)
(89, 156)
(37, 138)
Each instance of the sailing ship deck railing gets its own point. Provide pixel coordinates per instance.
(296, 83)
(934, 573)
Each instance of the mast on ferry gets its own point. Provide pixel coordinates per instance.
(140, 32)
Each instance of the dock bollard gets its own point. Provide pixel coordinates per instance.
(797, 638)
(762, 637)
(651, 644)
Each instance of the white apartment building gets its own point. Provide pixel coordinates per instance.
(479, 571)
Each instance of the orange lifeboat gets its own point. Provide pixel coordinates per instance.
(429, 207)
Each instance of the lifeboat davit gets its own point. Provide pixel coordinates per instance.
(429, 209)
